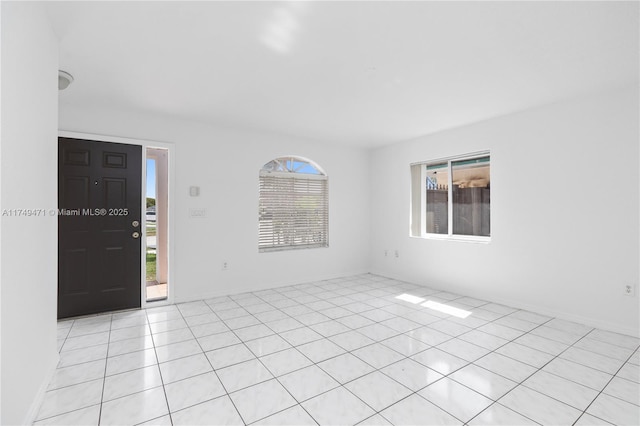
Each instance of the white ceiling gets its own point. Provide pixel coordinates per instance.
(360, 73)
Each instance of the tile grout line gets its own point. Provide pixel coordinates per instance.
(556, 357)
(491, 351)
(294, 347)
(496, 401)
(521, 383)
(213, 369)
(316, 364)
(262, 363)
(350, 352)
(379, 370)
(607, 384)
(335, 319)
(164, 390)
(405, 357)
(277, 333)
(468, 363)
(73, 321)
(104, 378)
(541, 368)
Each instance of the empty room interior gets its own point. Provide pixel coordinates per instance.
(320, 213)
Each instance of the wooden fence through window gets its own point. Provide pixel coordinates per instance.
(471, 211)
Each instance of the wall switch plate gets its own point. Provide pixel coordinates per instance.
(198, 212)
(630, 290)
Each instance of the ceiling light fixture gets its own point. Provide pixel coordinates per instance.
(64, 79)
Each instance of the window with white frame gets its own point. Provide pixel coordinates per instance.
(293, 207)
(451, 198)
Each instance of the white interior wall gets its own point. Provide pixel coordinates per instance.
(29, 181)
(225, 163)
(568, 255)
(564, 206)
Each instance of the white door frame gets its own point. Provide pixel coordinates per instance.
(170, 222)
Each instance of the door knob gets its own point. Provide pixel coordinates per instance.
(135, 235)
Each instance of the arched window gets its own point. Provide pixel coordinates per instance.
(293, 206)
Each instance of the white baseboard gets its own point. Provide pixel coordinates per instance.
(604, 325)
(592, 322)
(226, 292)
(39, 399)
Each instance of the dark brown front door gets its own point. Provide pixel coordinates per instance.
(99, 232)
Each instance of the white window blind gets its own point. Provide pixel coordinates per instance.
(293, 211)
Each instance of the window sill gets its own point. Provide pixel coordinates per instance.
(461, 238)
(287, 248)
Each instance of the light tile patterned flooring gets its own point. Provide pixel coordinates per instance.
(340, 352)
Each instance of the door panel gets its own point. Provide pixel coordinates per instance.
(99, 257)
(75, 271)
